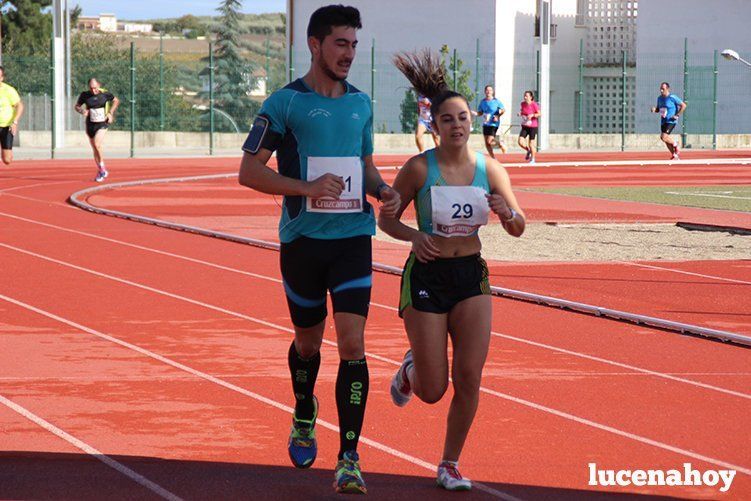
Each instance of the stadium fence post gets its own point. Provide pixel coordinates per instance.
(684, 124)
(52, 96)
(161, 81)
(456, 86)
(623, 103)
(211, 98)
(268, 57)
(477, 73)
(714, 103)
(291, 64)
(580, 110)
(372, 87)
(132, 99)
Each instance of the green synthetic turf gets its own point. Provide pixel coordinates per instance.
(737, 198)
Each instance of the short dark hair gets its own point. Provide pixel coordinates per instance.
(324, 19)
(665, 84)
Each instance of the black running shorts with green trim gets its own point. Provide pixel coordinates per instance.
(437, 286)
(311, 266)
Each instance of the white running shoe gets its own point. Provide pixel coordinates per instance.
(401, 390)
(675, 156)
(450, 479)
(531, 161)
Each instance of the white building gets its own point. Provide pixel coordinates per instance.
(107, 22)
(708, 26)
(136, 27)
(502, 33)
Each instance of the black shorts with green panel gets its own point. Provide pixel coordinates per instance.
(437, 286)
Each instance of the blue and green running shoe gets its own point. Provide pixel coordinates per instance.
(347, 476)
(302, 445)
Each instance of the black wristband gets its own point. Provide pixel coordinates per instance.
(378, 190)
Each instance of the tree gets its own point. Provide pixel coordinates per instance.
(99, 56)
(233, 74)
(462, 75)
(408, 111)
(408, 106)
(27, 30)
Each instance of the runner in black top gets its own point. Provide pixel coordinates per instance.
(94, 105)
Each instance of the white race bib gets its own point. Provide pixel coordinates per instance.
(458, 211)
(97, 115)
(664, 112)
(350, 170)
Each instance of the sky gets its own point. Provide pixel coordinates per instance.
(151, 9)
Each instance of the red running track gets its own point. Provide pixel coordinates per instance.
(202, 412)
(712, 294)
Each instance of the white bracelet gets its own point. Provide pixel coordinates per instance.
(513, 215)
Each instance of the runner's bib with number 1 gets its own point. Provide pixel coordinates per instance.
(350, 170)
(458, 211)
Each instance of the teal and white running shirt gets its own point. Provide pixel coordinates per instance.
(312, 135)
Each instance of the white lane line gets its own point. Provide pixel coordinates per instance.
(141, 247)
(45, 202)
(391, 308)
(6, 190)
(376, 357)
(682, 272)
(610, 362)
(256, 396)
(79, 444)
(616, 431)
(623, 163)
(522, 374)
(710, 195)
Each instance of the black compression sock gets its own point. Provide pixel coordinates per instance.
(304, 373)
(351, 395)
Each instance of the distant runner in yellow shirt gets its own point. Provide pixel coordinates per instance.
(11, 109)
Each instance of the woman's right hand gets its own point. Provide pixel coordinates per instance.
(424, 247)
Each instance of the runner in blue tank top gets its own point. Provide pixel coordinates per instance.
(670, 107)
(445, 284)
(320, 127)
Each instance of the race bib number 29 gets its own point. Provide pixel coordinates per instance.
(351, 171)
(458, 211)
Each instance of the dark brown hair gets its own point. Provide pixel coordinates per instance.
(325, 18)
(427, 75)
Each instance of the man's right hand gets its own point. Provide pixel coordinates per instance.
(328, 185)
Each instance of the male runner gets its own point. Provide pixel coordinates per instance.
(320, 127)
(11, 109)
(670, 107)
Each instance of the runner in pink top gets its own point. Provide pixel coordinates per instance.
(529, 113)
